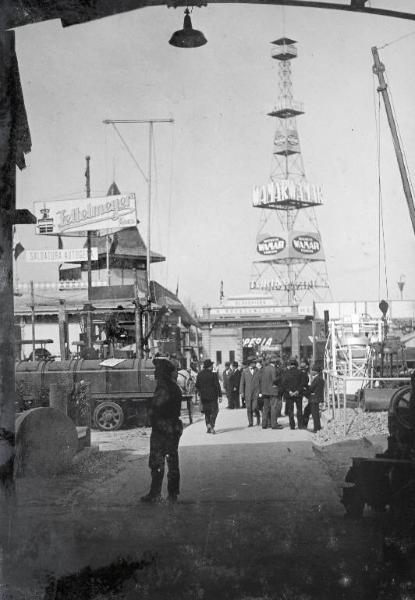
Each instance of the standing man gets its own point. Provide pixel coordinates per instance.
(234, 383)
(316, 397)
(270, 395)
(209, 390)
(249, 390)
(225, 381)
(292, 387)
(167, 429)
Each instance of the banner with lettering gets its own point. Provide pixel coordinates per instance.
(76, 217)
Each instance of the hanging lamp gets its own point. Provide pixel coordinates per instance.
(187, 37)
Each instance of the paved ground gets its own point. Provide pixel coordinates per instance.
(259, 517)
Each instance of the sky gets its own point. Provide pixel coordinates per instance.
(220, 145)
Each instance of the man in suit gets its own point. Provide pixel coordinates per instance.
(234, 380)
(208, 388)
(225, 381)
(166, 431)
(293, 388)
(249, 390)
(316, 396)
(271, 396)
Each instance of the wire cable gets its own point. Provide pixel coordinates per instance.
(129, 152)
(402, 37)
(381, 226)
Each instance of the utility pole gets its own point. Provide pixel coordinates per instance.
(32, 310)
(148, 180)
(138, 323)
(62, 330)
(88, 246)
(379, 69)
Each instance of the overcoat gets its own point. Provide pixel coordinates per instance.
(250, 387)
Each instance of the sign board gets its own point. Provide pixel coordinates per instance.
(76, 217)
(61, 256)
(286, 142)
(305, 245)
(287, 190)
(284, 285)
(268, 245)
(265, 339)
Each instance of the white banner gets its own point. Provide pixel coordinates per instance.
(61, 256)
(67, 217)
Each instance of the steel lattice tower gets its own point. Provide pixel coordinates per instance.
(292, 263)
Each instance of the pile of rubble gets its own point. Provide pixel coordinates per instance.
(359, 424)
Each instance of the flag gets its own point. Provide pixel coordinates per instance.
(221, 294)
(18, 249)
(177, 289)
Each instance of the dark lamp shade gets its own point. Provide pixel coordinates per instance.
(187, 37)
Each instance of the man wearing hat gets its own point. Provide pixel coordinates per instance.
(209, 390)
(234, 381)
(293, 388)
(249, 389)
(166, 431)
(271, 396)
(316, 396)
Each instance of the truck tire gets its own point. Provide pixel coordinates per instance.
(108, 416)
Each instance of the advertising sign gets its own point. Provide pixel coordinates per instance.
(60, 256)
(286, 143)
(268, 245)
(76, 217)
(305, 245)
(268, 338)
(285, 285)
(286, 190)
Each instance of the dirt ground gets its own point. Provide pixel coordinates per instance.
(259, 518)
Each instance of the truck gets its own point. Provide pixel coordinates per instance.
(119, 389)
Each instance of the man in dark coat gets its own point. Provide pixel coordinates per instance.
(234, 380)
(209, 390)
(225, 381)
(249, 390)
(271, 397)
(293, 387)
(167, 429)
(315, 398)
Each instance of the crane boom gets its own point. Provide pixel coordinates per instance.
(378, 69)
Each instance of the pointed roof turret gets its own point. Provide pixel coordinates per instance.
(113, 190)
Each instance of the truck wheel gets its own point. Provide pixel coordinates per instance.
(108, 416)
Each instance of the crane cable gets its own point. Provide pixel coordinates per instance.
(381, 229)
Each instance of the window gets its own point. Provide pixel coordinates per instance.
(218, 357)
(231, 356)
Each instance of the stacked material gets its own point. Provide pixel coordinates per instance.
(359, 424)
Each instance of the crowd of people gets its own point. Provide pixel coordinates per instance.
(262, 388)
